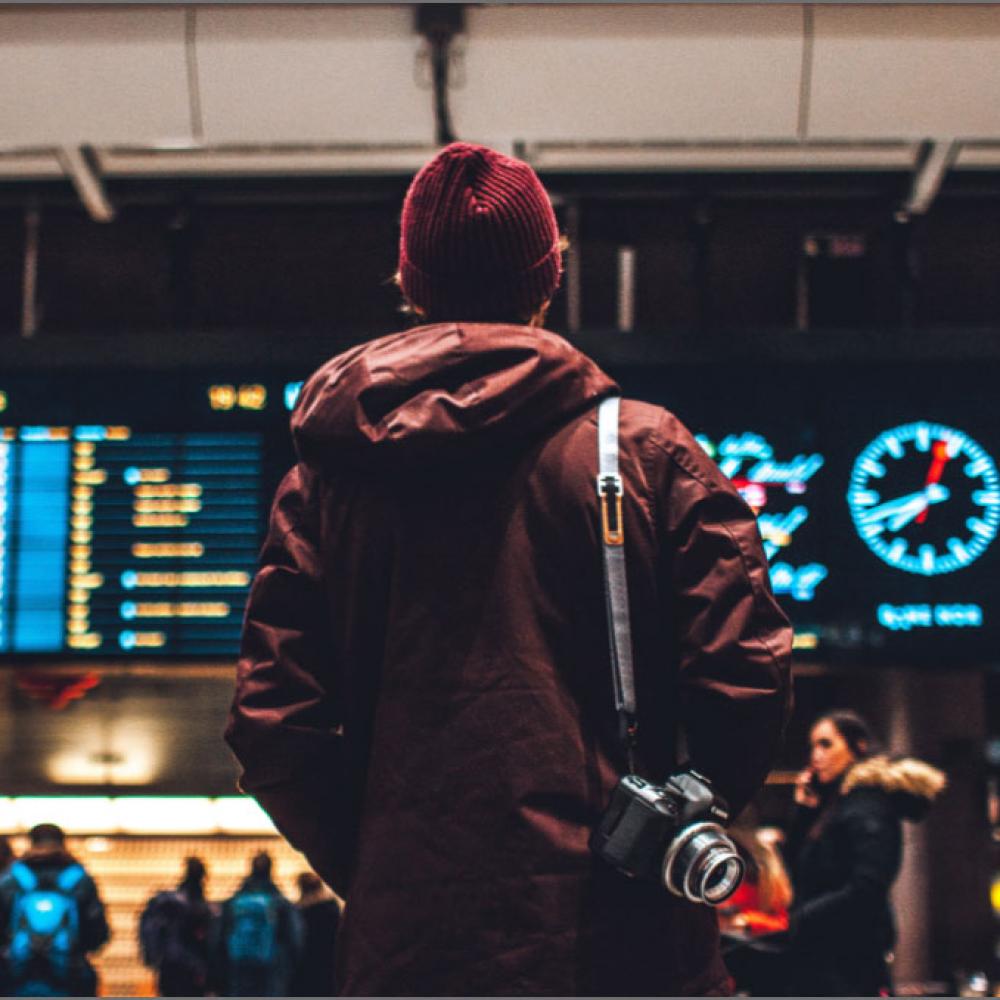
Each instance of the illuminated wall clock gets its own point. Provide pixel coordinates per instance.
(925, 498)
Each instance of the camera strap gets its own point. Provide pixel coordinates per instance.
(609, 493)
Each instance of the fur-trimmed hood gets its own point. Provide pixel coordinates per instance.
(911, 784)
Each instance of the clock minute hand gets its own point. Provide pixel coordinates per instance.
(927, 496)
(903, 509)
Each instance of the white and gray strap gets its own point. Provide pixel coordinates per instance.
(610, 493)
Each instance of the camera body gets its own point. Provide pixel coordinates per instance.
(671, 834)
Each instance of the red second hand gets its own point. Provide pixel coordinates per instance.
(940, 453)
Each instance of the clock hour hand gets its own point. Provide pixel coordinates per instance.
(899, 512)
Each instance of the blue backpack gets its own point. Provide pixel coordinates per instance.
(253, 931)
(44, 928)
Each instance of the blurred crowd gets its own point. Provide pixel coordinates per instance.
(255, 943)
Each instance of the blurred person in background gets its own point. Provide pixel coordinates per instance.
(844, 849)
(320, 912)
(175, 934)
(260, 937)
(6, 860)
(51, 918)
(424, 698)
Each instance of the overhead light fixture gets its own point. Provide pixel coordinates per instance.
(167, 815)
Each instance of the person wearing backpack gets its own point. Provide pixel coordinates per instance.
(175, 934)
(51, 918)
(260, 937)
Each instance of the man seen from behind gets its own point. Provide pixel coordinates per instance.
(424, 701)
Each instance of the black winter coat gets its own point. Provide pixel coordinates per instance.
(844, 858)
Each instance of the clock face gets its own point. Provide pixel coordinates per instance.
(925, 498)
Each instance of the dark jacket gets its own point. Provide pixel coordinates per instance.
(93, 925)
(261, 976)
(424, 700)
(176, 936)
(844, 857)
(320, 919)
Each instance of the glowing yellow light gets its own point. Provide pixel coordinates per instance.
(168, 550)
(178, 506)
(153, 475)
(79, 552)
(88, 581)
(83, 507)
(81, 522)
(169, 490)
(208, 578)
(78, 567)
(58, 433)
(84, 447)
(160, 521)
(3, 401)
(79, 596)
(83, 492)
(76, 612)
(91, 477)
(805, 640)
(221, 397)
(77, 627)
(252, 397)
(151, 640)
(9, 434)
(118, 433)
(84, 463)
(184, 609)
(81, 537)
(90, 640)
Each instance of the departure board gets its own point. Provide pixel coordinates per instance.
(118, 542)
(133, 504)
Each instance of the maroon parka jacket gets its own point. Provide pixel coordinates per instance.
(424, 701)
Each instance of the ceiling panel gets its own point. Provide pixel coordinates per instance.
(905, 71)
(630, 72)
(322, 74)
(72, 76)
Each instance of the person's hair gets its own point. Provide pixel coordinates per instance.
(46, 833)
(309, 882)
(261, 864)
(194, 870)
(854, 729)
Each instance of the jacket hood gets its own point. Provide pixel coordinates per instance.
(911, 784)
(431, 392)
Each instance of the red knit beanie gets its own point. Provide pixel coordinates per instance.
(479, 239)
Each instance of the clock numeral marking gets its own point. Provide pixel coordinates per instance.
(864, 498)
(873, 530)
(979, 466)
(927, 558)
(959, 551)
(897, 550)
(981, 528)
(954, 444)
(895, 448)
(986, 498)
(923, 437)
(872, 467)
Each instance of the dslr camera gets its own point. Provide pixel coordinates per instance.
(671, 834)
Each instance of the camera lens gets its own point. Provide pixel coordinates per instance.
(702, 865)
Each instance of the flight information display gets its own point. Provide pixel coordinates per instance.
(132, 507)
(117, 542)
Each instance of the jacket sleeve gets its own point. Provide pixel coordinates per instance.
(872, 856)
(94, 930)
(283, 726)
(734, 641)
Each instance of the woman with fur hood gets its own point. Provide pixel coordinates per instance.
(844, 850)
